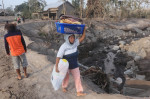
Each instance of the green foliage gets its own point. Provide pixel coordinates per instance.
(21, 7)
(32, 6)
(37, 5)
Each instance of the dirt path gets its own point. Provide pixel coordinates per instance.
(38, 85)
(9, 86)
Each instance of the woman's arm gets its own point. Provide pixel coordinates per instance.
(57, 61)
(83, 36)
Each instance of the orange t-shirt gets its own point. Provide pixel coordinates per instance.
(16, 43)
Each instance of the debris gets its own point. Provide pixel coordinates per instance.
(97, 76)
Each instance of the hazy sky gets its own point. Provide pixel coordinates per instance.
(13, 3)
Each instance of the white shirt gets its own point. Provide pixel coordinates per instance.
(66, 48)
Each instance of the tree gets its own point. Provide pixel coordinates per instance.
(10, 11)
(32, 6)
(3, 7)
(95, 8)
(36, 5)
(81, 8)
(21, 7)
(24, 8)
(76, 4)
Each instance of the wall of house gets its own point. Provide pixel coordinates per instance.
(69, 10)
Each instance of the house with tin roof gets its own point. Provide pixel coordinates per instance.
(3, 12)
(54, 10)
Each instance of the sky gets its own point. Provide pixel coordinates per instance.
(13, 3)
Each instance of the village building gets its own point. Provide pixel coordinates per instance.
(54, 10)
(3, 12)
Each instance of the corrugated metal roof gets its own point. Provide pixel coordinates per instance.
(53, 5)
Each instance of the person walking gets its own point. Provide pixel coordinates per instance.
(15, 45)
(68, 51)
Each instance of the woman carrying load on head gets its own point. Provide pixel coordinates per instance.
(68, 51)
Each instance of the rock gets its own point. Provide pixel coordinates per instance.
(46, 29)
(130, 64)
(140, 47)
(122, 42)
(131, 54)
(137, 30)
(132, 91)
(109, 63)
(137, 58)
(131, 72)
(121, 46)
(118, 80)
(126, 47)
(116, 47)
(140, 77)
(111, 47)
(128, 72)
(142, 53)
(148, 29)
(118, 51)
(123, 50)
(90, 53)
(132, 42)
(119, 38)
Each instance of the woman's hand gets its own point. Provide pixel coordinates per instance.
(57, 61)
(57, 70)
(83, 36)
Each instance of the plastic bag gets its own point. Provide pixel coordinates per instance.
(57, 78)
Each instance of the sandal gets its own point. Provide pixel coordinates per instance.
(81, 94)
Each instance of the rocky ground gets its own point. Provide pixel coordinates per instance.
(104, 47)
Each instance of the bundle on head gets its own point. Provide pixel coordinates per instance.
(70, 19)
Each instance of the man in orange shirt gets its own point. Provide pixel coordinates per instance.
(15, 44)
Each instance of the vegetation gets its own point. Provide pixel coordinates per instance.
(10, 11)
(117, 8)
(32, 6)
